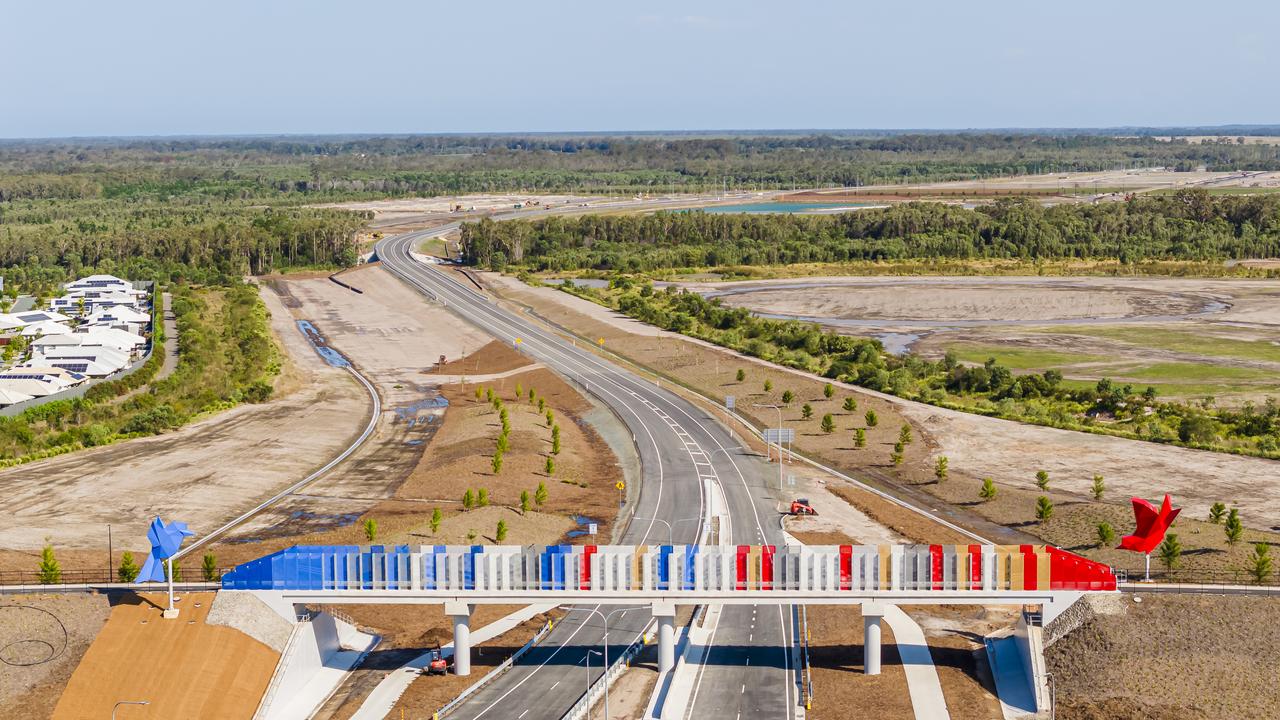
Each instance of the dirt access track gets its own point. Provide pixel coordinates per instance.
(204, 474)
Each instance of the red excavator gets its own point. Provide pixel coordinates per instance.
(801, 506)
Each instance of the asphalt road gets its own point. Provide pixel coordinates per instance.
(683, 452)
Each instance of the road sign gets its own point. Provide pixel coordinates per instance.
(600, 342)
(519, 340)
(779, 435)
(621, 485)
(791, 480)
(591, 528)
(729, 401)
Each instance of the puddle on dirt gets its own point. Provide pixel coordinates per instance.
(313, 336)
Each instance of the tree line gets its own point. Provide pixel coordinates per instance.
(1188, 225)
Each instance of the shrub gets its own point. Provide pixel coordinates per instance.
(897, 454)
(468, 500)
(1042, 479)
(209, 568)
(828, 423)
(550, 466)
(1099, 487)
(940, 468)
(128, 570)
(768, 385)
(828, 390)
(859, 438)
(1216, 512)
(1170, 552)
(806, 411)
(1233, 528)
(1044, 508)
(370, 529)
(524, 501)
(742, 375)
(495, 463)
(1260, 563)
(501, 534)
(540, 495)
(850, 405)
(787, 397)
(1106, 535)
(988, 490)
(436, 518)
(871, 418)
(50, 568)
(482, 499)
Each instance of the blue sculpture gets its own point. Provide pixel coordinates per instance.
(165, 541)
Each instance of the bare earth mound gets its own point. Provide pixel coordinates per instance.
(1172, 658)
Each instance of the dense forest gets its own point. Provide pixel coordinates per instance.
(1188, 225)
(989, 389)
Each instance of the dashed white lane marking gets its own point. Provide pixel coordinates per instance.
(526, 712)
(553, 687)
(743, 691)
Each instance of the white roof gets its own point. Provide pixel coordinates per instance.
(30, 387)
(46, 327)
(110, 337)
(9, 396)
(31, 367)
(93, 352)
(99, 281)
(120, 315)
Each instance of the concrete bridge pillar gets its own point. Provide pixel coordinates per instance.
(872, 614)
(461, 614)
(666, 615)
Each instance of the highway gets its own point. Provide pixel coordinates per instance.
(684, 453)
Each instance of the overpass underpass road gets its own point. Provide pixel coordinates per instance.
(684, 452)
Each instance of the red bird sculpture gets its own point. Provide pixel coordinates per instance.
(1152, 525)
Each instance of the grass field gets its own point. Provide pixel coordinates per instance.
(1218, 344)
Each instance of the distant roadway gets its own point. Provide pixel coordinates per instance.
(683, 451)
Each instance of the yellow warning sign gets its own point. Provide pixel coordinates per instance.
(621, 485)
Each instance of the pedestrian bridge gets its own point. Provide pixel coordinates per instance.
(663, 576)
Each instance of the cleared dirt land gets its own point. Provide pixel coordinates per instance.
(42, 638)
(1172, 658)
(204, 473)
(185, 667)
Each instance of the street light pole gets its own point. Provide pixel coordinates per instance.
(588, 691)
(779, 409)
(127, 702)
(604, 618)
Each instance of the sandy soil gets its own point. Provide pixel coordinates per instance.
(184, 667)
(1172, 657)
(1129, 180)
(27, 623)
(204, 473)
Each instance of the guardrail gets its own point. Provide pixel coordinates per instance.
(494, 673)
(588, 699)
(806, 685)
(78, 587)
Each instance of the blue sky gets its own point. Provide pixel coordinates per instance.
(141, 67)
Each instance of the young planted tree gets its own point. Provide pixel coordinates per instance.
(741, 375)
(787, 397)
(988, 490)
(128, 570)
(1106, 535)
(550, 467)
(436, 518)
(1260, 563)
(540, 495)
(768, 385)
(904, 434)
(828, 391)
(828, 423)
(209, 568)
(1170, 552)
(482, 498)
(471, 535)
(1042, 479)
(555, 439)
(488, 394)
(503, 444)
(532, 394)
(1044, 508)
(542, 405)
(871, 418)
(519, 391)
(551, 418)
(501, 533)
(897, 454)
(177, 572)
(859, 438)
(1099, 487)
(940, 468)
(468, 500)
(479, 393)
(1233, 528)
(496, 464)
(850, 405)
(1216, 511)
(370, 529)
(806, 411)
(524, 502)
